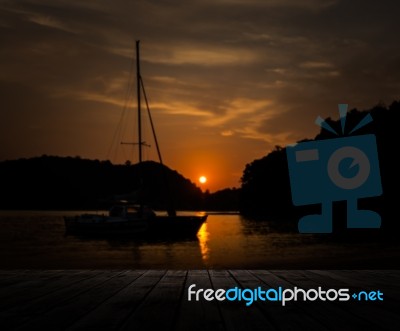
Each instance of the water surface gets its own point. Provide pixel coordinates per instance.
(38, 240)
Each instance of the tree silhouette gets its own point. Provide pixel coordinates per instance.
(265, 190)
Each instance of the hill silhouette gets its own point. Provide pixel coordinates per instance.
(51, 182)
(265, 189)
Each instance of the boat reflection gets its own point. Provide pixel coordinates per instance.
(147, 251)
(116, 241)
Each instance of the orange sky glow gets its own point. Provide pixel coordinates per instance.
(227, 81)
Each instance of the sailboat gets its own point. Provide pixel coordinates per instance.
(127, 218)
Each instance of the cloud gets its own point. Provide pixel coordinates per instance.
(49, 22)
(240, 109)
(245, 118)
(227, 133)
(310, 4)
(316, 65)
(280, 139)
(203, 57)
(243, 71)
(88, 96)
(166, 79)
(179, 108)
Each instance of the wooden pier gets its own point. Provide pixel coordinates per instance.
(158, 300)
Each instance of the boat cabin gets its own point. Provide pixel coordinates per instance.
(131, 211)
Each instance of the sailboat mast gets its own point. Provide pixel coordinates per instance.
(138, 100)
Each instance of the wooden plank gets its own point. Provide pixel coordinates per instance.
(140, 300)
(67, 312)
(30, 286)
(362, 278)
(236, 315)
(324, 313)
(335, 279)
(7, 275)
(386, 312)
(159, 309)
(199, 315)
(374, 313)
(284, 318)
(112, 313)
(21, 311)
(357, 281)
(16, 279)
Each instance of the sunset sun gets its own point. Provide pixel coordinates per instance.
(202, 179)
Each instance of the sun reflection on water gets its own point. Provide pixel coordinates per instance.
(203, 236)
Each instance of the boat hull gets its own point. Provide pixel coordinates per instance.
(175, 225)
(158, 226)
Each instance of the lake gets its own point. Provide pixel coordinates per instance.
(37, 240)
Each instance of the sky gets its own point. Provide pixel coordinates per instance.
(227, 80)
